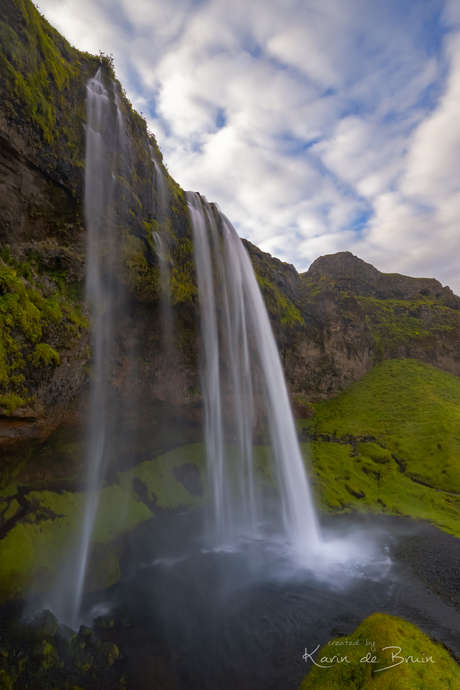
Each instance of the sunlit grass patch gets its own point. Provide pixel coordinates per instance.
(391, 443)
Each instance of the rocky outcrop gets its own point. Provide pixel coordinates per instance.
(354, 275)
(339, 318)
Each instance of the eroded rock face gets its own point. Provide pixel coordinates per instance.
(343, 315)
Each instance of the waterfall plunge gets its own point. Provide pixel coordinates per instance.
(104, 153)
(99, 191)
(234, 319)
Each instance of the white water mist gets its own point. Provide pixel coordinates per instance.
(236, 335)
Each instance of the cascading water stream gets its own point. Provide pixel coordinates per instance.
(161, 189)
(104, 140)
(162, 199)
(235, 324)
(99, 189)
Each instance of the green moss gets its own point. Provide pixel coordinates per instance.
(156, 480)
(32, 550)
(183, 279)
(7, 680)
(8, 491)
(279, 306)
(34, 66)
(396, 427)
(183, 290)
(11, 402)
(142, 279)
(401, 322)
(356, 662)
(12, 510)
(26, 317)
(45, 354)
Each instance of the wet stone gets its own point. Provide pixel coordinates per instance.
(94, 640)
(44, 624)
(123, 618)
(82, 660)
(110, 652)
(64, 634)
(84, 631)
(103, 622)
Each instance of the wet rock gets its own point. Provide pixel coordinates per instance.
(78, 642)
(6, 681)
(64, 634)
(123, 618)
(44, 624)
(103, 622)
(47, 654)
(82, 660)
(110, 652)
(84, 631)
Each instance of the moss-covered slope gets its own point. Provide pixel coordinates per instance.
(390, 443)
(38, 529)
(383, 653)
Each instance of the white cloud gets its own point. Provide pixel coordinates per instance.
(301, 117)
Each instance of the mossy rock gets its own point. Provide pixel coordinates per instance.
(33, 550)
(159, 482)
(27, 321)
(383, 653)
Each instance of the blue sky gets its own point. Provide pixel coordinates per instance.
(316, 125)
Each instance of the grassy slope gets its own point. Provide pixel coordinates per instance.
(441, 674)
(374, 443)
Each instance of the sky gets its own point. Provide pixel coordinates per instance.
(317, 126)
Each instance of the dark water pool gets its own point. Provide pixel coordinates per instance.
(241, 618)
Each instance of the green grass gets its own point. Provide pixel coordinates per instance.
(407, 642)
(375, 442)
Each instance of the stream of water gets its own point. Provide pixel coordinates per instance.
(105, 137)
(238, 341)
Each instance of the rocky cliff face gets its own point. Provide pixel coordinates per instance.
(335, 321)
(332, 323)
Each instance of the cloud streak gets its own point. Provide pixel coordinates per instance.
(317, 126)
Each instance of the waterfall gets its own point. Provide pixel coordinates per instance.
(162, 212)
(161, 189)
(104, 152)
(237, 338)
(99, 195)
